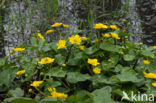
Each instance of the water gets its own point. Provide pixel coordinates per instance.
(21, 19)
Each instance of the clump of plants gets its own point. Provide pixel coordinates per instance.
(78, 69)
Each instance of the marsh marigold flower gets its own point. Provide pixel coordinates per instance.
(97, 70)
(46, 60)
(150, 75)
(75, 39)
(106, 35)
(146, 62)
(11, 51)
(56, 24)
(20, 72)
(40, 35)
(18, 49)
(81, 47)
(154, 84)
(114, 35)
(55, 94)
(36, 83)
(61, 44)
(100, 26)
(66, 26)
(114, 27)
(154, 47)
(49, 31)
(140, 44)
(64, 65)
(93, 62)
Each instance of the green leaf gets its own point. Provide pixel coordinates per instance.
(109, 47)
(49, 100)
(91, 50)
(52, 83)
(7, 76)
(80, 55)
(73, 62)
(18, 92)
(56, 72)
(46, 48)
(33, 42)
(60, 59)
(124, 34)
(53, 46)
(120, 68)
(80, 96)
(106, 65)
(99, 79)
(2, 61)
(128, 75)
(102, 95)
(129, 57)
(74, 77)
(147, 53)
(19, 100)
(41, 43)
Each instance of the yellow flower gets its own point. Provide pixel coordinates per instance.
(114, 27)
(11, 51)
(46, 60)
(154, 47)
(93, 62)
(150, 75)
(140, 44)
(106, 35)
(38, 31)
(81, 47)
(85, 38)
(49, 31)
(40, 36)
(100, 26)
(64, 65)
(61, 44)
(97, 70)
(20, 72)
(36, 83)
(18, 49)
(114, 35)
(66, 26)
(56, 24)
(154, 84)
(146, 62)
(75, 39)
(55, 94)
